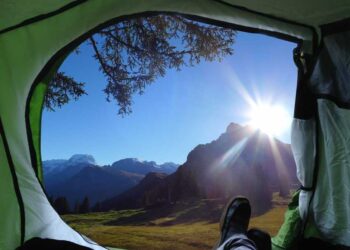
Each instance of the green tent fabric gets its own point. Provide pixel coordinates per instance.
(36, 35)
(288, 233)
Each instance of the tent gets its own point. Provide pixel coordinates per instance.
(35, 36)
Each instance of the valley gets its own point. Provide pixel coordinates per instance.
(136, 204)
(192, 226)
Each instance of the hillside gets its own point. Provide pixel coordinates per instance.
(96, 184)
(241, 161)
(133, 197)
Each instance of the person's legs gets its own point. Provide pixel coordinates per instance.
(261, 239)
(234, 224)
(238, 242)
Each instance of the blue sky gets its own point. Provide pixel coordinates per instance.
(175, 113)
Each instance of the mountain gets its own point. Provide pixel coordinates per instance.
(133, 197)
(168, 167)
(242, 161)
(52, 165)
(136, 166)
(56, 172)
(95, 183)
(80, 177)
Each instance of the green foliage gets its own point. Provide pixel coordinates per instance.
(134, 53)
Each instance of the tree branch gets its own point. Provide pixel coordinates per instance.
(99, 57)
(130, 46)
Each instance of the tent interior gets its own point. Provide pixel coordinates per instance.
(36, 36)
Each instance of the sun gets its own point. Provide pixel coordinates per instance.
(273, 120)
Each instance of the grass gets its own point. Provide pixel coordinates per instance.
(190, 226)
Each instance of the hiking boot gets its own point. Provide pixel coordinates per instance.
(235, 218)
(261, 239)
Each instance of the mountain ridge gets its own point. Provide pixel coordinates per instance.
(79, 177)
(241, 161)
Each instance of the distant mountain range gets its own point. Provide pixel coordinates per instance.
(242, 161)
(80, 177)
(144, 167)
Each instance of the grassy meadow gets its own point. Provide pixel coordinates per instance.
(191, 226)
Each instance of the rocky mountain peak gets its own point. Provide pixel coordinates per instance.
(242, 161)
(82, 159)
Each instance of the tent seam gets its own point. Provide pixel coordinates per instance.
(14, 181)
(243, 28)
(312, 28)
(340, 104)
(265, 15)
(43, 16)
(316, 171)
(32, 151)
(335, 27)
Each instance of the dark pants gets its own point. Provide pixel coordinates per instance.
(238, 242)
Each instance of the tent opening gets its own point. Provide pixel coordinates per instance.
(212, 121)
(36, 38)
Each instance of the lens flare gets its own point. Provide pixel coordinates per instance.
(273, 120)
(263, 112)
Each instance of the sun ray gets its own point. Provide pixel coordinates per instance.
(231, 155)
(279, 163)
(234, 81)
(263, 113)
